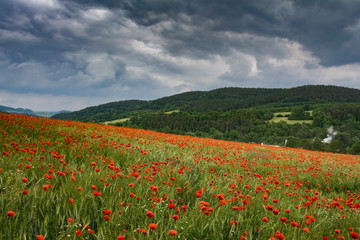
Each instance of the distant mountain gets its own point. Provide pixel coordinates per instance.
(222, 99)
(50, 114)
(30, 112)
(16, 110)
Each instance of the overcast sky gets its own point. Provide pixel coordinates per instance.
(70, 54)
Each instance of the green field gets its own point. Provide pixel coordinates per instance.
(285, 119)
(116, 121)
(174, 111)
(72, 180)
(121, 120)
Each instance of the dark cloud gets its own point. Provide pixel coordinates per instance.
(93, 51)
(320, 26)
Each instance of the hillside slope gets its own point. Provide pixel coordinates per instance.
(16, 110)
(223, 99)
(29, 112)
(74, 180)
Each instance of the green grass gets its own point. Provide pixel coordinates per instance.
(173, 111)
(125, 165)
(285, 119)
(121, 120)
(116, 121)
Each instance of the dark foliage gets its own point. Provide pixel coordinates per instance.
(223, 99)
(243, 114)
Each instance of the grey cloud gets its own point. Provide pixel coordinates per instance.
(318, 25)
(112, 50)
(17, 36)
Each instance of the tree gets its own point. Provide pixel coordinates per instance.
(355, 148)
(297, 113)
(318, 145)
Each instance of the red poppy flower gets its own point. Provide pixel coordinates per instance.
(233, 222)
(24, 179)
(96, 193)
(107, 212)
(265, 219)
(143, 231)
(71, 201)
(173, 232)
(152, 226)
(235, 208)
(24, 192)
(175, 217)
(78, 233)
(184, 207)
(269, 207)
(149, 214)
(279, 235)
(154, 188)
(10, 214)
(40, 237)
(354, 235)
(293, 223)
(120, 237)
(276, 211)
(220, 196)
(242, 208)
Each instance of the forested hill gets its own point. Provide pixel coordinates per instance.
(29, 112)
(223, 99)
(16, 110)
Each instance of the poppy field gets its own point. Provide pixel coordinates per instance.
(73, 180)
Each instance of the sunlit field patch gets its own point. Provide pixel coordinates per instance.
(73, 180)
(282, 116)
(121, 120)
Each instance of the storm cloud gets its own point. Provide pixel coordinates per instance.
(58, 55)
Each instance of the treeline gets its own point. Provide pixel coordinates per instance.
(223, 99)
(253, 125)
(184, 122)
(226, 99)
(104, 112)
